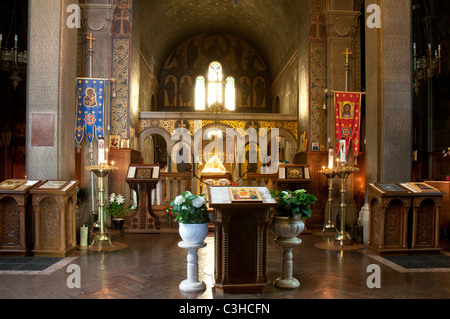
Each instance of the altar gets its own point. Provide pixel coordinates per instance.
(242, 218)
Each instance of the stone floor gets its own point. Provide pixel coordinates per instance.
(152, 266)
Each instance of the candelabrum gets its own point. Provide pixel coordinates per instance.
(330, 173)
(13, 61)
(101, 171)
(343, 172)
(426, 67)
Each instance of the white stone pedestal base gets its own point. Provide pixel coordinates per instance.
(286, 280)
(191, 284)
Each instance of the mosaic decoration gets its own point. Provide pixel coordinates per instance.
(318, 74)
(121, 33)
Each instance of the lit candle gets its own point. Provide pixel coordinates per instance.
(343, 152)
(330, 157)
(106, 155)
(414, 47)
(15, 39)
(439, 50)
(101, 151)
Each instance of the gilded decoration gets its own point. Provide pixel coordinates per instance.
(194, 125)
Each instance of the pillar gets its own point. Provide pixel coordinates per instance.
(51, 91)
(388, 97)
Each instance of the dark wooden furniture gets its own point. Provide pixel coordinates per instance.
(424, 218)
(143, 179)
(16, 217)
(241, 235)
(389, 206)
(444, 212)
(54, 204)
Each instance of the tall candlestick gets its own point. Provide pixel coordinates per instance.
(330, 157)
(342, 151)
(101, 151)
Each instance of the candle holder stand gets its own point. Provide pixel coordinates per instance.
(343, 172)
(329, 226)
(101, 171)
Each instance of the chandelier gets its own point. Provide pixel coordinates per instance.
(426, 67)
(13, 61)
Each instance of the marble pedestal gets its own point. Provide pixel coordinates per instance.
(192, 284)
(286, 280)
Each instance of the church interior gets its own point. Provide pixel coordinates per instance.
(149, 99)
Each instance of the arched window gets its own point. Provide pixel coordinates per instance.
(216, 89)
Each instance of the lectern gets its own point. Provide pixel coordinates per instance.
(143, 179)
(16, 217)
(242, 218)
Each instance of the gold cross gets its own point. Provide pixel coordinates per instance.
(90, 38)
(253, 125)
(182, 124)
(347, 53)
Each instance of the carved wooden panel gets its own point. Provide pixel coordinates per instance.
(393, 219)
(426, 216)
(10, 222)
(49, 222)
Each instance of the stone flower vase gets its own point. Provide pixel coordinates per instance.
(193, 234)
(287, 229)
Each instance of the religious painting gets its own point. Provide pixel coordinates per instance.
(186, 91)
(315, 146)
(244, 90)
(260, 91)
(11, 184)
(114, 141)
(244, 194)
(294, 173)
(170, 87)
(144, 173)
(125, 143)
(53, 184)
(347, 110)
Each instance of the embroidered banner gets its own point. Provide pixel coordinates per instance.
(90, 97)
(348, 119)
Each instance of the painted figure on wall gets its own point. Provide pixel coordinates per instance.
(170, 90)
(186, 92)
(244, 88)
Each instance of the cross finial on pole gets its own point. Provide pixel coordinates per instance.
(347, 53)
(91, 39)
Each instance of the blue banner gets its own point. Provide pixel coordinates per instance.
(90, 97)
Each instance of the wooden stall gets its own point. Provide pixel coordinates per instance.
(16, 217)
(424, 218)
(389, 206)
(54, 203)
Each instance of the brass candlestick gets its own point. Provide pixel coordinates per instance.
(101, 170)
(330, 173)
(343, 172)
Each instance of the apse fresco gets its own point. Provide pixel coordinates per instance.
(239, 61)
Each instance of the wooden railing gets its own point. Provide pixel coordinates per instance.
(268, 180)
(170, 186)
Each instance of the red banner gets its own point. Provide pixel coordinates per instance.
(348, 119)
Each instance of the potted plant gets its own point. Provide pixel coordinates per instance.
(287, 223)
(192, 214)
(293, 208)
(115, 208)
